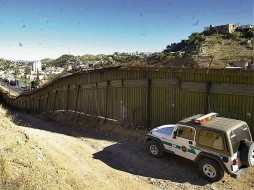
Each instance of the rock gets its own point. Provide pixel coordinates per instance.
(152, 179)
(214, 188)
(39, 159)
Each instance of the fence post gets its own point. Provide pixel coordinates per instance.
(55, 101)
(106, 103)
(207, 101)
(39, 111)
(67, 104)
(76, 109)
(47, 103)
(148, 104)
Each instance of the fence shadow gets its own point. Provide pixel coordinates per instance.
(126, 155)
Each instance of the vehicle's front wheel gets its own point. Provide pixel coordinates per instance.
(211, 170)
(154, 148)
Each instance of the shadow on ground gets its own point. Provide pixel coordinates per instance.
(137, 161)
(126, 155)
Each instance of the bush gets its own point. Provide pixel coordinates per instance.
(234, 36)
(250, 33)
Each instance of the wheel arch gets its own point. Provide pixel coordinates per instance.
(204, 155)
(150, 138)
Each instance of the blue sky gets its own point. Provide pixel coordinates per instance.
(35, 29)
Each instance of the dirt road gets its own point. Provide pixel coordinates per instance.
(68, 158)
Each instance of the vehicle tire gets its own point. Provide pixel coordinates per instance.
(247, 153)
(210, 169)
(154, 148)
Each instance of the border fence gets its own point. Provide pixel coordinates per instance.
(145, 96)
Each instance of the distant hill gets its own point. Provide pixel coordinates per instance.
(198, 51)
(219, 50)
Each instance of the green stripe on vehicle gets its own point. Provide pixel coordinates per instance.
(195, 148)
(167, 143)
(191, 151)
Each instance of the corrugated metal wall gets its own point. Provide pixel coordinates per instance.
(146, 96)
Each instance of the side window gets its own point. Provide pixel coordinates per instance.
(186, 132)
(211, 139)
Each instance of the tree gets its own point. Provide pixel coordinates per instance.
(64, 60)
(27, 70)
(196, 38)
(250, 33)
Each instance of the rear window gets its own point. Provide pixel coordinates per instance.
(241, 133)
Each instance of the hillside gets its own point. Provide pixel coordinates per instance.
(198, 51)
(219, 50)
(228, 50)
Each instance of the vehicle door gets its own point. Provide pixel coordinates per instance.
(184, 142)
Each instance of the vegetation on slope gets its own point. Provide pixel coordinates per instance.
(197, 51)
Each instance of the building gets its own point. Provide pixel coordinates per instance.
(245, 27)
(36, 66)
(222, 29)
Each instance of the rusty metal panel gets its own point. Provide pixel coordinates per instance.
(72, 99)
(50, 104)
(131, 74)
(162, 105)
(237, 89)
(193, 86)
(135, 82)
(132, 106)
(116, 83)
(87, 102)
(124, 94)
(102, 84)
(165, 82)
(43, 103)
(189, 103)
(234, 106)
(61, 100)
(82, 101)
(89, 86)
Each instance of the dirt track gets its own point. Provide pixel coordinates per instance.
(85, 159)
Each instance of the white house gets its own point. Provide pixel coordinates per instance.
(245, 27)
(36, 66)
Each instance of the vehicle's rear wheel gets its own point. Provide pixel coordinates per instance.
(211, 170)
(247, 153)
(154, 148)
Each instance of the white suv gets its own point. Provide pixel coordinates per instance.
(217, 144)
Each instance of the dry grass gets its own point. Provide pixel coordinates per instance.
(23, 164)
(9, 180)
(10, 177)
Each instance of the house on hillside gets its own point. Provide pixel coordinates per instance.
(36, 66)
(222, 29)
(244, 27)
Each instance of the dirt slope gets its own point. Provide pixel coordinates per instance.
(37, 154)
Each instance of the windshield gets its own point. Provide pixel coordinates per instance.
(239, 134)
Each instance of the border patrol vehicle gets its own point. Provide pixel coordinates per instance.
(216, 144)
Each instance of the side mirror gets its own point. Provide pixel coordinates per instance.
(174, 134)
